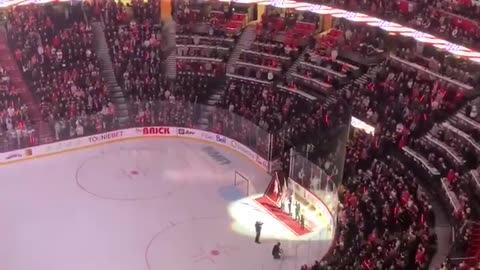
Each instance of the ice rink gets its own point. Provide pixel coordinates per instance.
(156, 204)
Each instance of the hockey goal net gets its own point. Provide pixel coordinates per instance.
(241, 183)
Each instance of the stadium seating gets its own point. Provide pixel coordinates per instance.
(284, 76)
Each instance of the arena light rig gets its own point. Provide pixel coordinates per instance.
(391, 27)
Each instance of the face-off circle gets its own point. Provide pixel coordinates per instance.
(190, 223)
(136, 174)
(201, 249)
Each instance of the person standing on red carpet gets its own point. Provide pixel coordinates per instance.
(258, 230)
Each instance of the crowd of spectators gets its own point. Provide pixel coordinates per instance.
(373, 42)
(324, 66)
(456, 21)
(402, 102)
(279, 110)
(218, 19)
(279, 42)
(60, 65)
(385, 218)
(399, 101)
(15, 122)
(203, 54)
(400, 235)
(135, 43)
(450, 153)
(410, 102)
(204, 46)
(136, 54)
(439, 62)
(297, 26)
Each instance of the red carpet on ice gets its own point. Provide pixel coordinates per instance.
(281, 216)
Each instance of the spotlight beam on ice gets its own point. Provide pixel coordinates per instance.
(245, 212)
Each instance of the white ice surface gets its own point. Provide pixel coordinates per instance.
(138, 205)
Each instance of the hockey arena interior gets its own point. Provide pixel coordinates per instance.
(244, 134)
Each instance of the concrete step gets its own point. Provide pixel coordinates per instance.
(103, 52)
(220, 91)
(111, 80)
(293, 67)
(122, 113)
(108, 72)
(330, 100)
(210, 109)
(122, 107)
(362, 80)
(203, 121)
(116, 94)
(216, 96)
(247, 37)
(203, 127)
(124, 120)
(212, 102)
(118, 99)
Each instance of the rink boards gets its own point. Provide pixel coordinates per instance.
(130, 134)
(157, 132)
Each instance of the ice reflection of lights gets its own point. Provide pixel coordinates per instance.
(245, 212)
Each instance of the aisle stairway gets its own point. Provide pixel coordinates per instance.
(215, 97)
(371, 73)
(248, 36)
(171, 65)
(117, 94)
(293, 67)
(45, 133)
(364, 78)
(169, 35)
